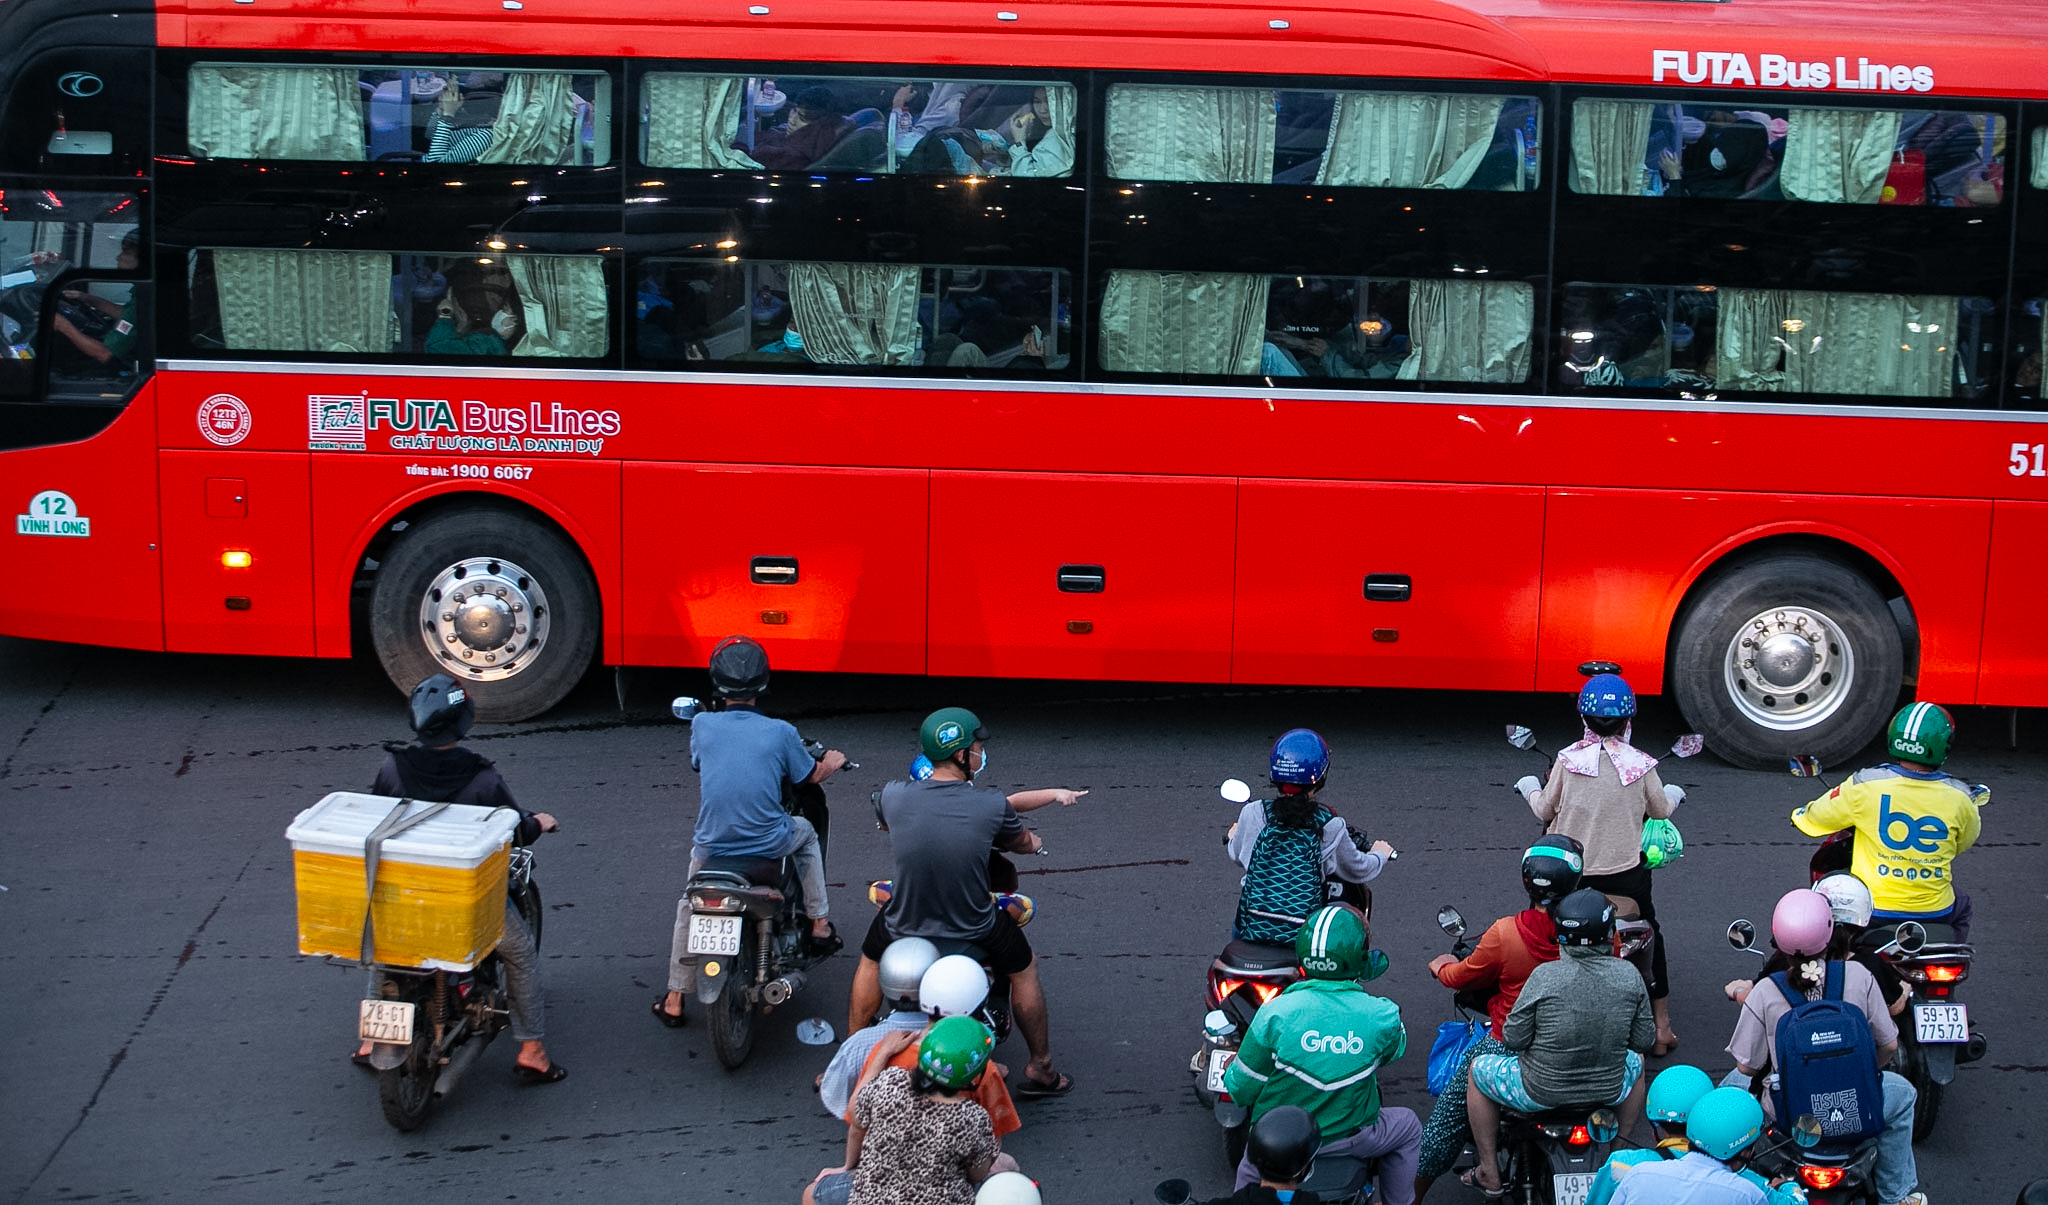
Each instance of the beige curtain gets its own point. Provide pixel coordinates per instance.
(1609, 141)
(1205, 135)
(855, 313)
(275, 113)
(536, 120)
(563, 300)
(1054, 154)
(1475, 331)
(692, 121)
(1872, 344)
(1406, 140)
(2039, 158)
(1203, 323)
(1837, 155)
(324, 301)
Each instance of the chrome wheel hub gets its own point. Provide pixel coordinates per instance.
(484, 618)
(1789, 668)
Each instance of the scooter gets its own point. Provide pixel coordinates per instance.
(1845, 1175)
(747, 924)
(1334, 1179)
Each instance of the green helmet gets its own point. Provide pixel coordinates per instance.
(1724, 1122)
(1675, 1091)
(1921, 732)
(954, 1051)
(949, 730)
(1334, 943)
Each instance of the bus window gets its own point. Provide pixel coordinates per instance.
(95, 341)
(408, 304)
(1795, 153)
(1698, 341)
(836, 124)
(1334, 139)
(1318, 330)
(418, 114)
(962, 321)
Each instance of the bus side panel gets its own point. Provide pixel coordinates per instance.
(103, 587)
(1164, 547)
(2015, 662)
(1617, 563)
(1472, 557)
(230, 502)
(707, 546)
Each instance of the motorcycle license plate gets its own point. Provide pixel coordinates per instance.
(385, 1021)
(1218, 1061)
(1572, 1188)
(715, 934)
(1936, 1024)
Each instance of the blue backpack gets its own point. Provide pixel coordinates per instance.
(1827, 1063)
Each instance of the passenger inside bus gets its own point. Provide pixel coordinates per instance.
(464, 115)
(942, 127)
(1326, 327)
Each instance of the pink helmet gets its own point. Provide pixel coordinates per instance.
(1803, 923)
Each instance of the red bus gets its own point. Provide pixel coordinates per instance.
(1392, 343)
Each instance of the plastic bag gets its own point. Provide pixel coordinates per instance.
(1453, 1039)
(1662, 844)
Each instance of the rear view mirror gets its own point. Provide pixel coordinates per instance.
(1603, 1125)
(1688, 745)
(1742, 935)
(1910, 936)
(1591, 668)
(685, 708)
(1806, 1130)
(1804, 767)
(1235, 790)
(1173, 1192)
(1520, 737)
(1451, 921)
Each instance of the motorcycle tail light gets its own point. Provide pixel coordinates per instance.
(1222, 989)
(1944, 972)
(712, 901)
(1820, 1177)
(1580, 1136)
(1265, 991)
(1939, 991)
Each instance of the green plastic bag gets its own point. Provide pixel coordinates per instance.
(1662, 844)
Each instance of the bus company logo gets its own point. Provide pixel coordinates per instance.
(224, 419)
(335, 424)
(1729, 68)
(436, 424)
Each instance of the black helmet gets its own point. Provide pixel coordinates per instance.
(441, 710)
(1551, 869)
(1283, 1143)
(1583, 918)
(739, 668)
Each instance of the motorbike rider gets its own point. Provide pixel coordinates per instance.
(903, 966)
(941, 829)
(1318, 1045)
(1849, 901)
(1722, 1127)
(1577, 1034)
(1498, 968)
(746, 760)
(953, 986)
(1802, 926)
(1290, 845)
(1600, 791)
(1911, 822)
(1673, 1092)
(435, 769)
(1282, 1146)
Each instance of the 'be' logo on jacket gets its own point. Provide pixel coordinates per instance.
(1921, 833)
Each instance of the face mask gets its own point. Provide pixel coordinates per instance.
(984, 766)
(1719, 160)
(504, 323)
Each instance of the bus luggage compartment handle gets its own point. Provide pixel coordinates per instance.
(773, 570)
(1388, 587)
(1081, 579)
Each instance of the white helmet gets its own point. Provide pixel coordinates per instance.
(954, 987)
(902, 969)
(1848, 898)
(1008, 1188)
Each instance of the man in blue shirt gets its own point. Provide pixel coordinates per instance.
(745, 759)
(1722, 1126)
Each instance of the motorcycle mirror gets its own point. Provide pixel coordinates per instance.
(1603, 1125)
(1236, 791)
(1173, 1192)
(1910, 936)
(1376, 963)
(1451, 921)
(1688, 745)
(1742, 935)
(1806, 1130)
(1588, 669)
(1804, 766)
(1520, 737)
(814, 1032)
(683, 707)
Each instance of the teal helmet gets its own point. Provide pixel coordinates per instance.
(949, 730)
(1334, 943)
(1921, 732)
(1674, 1092)
(1724, 1122)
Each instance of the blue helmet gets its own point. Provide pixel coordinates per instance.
(1300, 758)
(1608, 696)
(920, 768)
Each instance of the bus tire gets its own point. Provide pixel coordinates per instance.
(530, 624)
(1785, 656)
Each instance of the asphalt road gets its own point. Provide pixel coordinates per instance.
(167, 1043)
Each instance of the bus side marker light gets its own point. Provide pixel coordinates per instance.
(236, 558)
(237, 602)
(774, 617)
(1386, 635)
(1080, 627)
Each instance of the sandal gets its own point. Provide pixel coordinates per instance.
(555, 1073)
(672, 1020)
(1032, 1089)
(362, 1060)
(1471, 1180)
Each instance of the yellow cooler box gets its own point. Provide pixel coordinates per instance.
(440, 894)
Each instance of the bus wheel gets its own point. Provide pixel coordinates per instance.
(499, 602)
(1787, 656)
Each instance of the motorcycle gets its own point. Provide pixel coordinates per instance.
(747, 924)
(1548, 1157)
(1829, 1175)
(1334, 1179)
(418, 1064)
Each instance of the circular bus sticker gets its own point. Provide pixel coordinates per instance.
(224, 419)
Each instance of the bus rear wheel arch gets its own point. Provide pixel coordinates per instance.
(1787, 653)
(498, 600)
